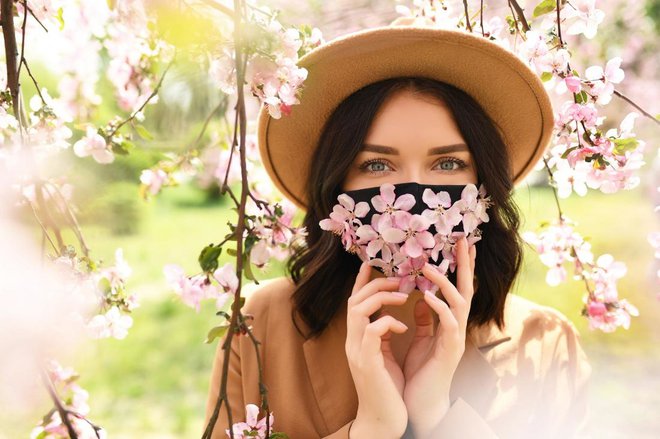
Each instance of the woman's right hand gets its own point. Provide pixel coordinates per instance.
(377, 376)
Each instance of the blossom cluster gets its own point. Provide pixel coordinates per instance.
(252, 427)
(399, 242)
(274, 235)
(558, 244)
(74, 401)
(272, 72)
(113, 303)
(193, 289)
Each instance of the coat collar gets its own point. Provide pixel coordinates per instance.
(475, 379)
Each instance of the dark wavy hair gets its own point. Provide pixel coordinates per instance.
(324, 273)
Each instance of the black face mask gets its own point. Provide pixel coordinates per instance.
(416, 190)
(420, 206)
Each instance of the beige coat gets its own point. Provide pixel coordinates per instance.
(529, 381)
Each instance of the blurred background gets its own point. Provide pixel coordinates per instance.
(154, 383)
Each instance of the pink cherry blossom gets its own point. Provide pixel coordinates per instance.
(413, 232)
(584, 16)
(111, 324)
(442, 214)
(153, 179)
(411, 275)
(95, 145)
(388, 203)
(602, 82)
(252, 428)
(190, 289)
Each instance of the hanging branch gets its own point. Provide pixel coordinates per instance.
(58, 405)
(644, 112)
(11, 52)
(240, 123)
(521, 16)
(144, 104)
(467, 16)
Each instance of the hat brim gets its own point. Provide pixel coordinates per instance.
(508, 90)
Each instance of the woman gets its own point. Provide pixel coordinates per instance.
(342, 355)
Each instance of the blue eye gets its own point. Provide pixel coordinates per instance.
(461, 164)
(367, 166)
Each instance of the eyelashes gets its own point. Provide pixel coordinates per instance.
(364, 166)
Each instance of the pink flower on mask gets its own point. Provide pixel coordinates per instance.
(411, 275)
(442, 213)
(387, 203)
(413, 229)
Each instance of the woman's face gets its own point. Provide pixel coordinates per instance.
(412, 139)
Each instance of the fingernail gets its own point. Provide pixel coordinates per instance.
(398, 294)
(430, 294)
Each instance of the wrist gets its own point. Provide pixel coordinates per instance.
(423, 425)
(361, 428)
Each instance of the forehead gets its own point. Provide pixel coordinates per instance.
(406, 120)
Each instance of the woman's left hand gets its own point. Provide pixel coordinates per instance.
(432, 359)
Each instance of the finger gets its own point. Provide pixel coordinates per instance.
(448, 322)
(371, 342)
(385, 344)
(449, 291)
(362, 277)
(372, 303)
(464, 279)
(357, 322)
(371, 288)
(423, 320)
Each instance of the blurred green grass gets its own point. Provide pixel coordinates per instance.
(154, 383)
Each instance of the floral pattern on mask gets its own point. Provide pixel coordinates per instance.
(399, 233)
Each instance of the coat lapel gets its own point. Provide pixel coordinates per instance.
(330, 376)
(475, 379)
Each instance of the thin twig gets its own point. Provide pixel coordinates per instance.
(521, 15)
(72, 218)
(644, 112)
(58, 404)
(467, 16)
(144, 104)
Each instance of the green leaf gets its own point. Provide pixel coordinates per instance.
(143, 132)
(104, 285)
(624, 145)
(247, 269)
(231, 252)
(582, 97)
(544, 7)
(124, 148)
(546, 76)
(208, 258)
(216, 332)
(568, 151)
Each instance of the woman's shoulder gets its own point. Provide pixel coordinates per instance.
(541, 328)
(523, 315)
(268, 296)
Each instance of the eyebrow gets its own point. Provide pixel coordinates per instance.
(433, 151)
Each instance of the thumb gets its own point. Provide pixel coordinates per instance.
(423, 319)
(385, 344)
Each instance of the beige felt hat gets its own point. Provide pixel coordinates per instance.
(509, 91)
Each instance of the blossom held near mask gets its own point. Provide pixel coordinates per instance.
(398, 234)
